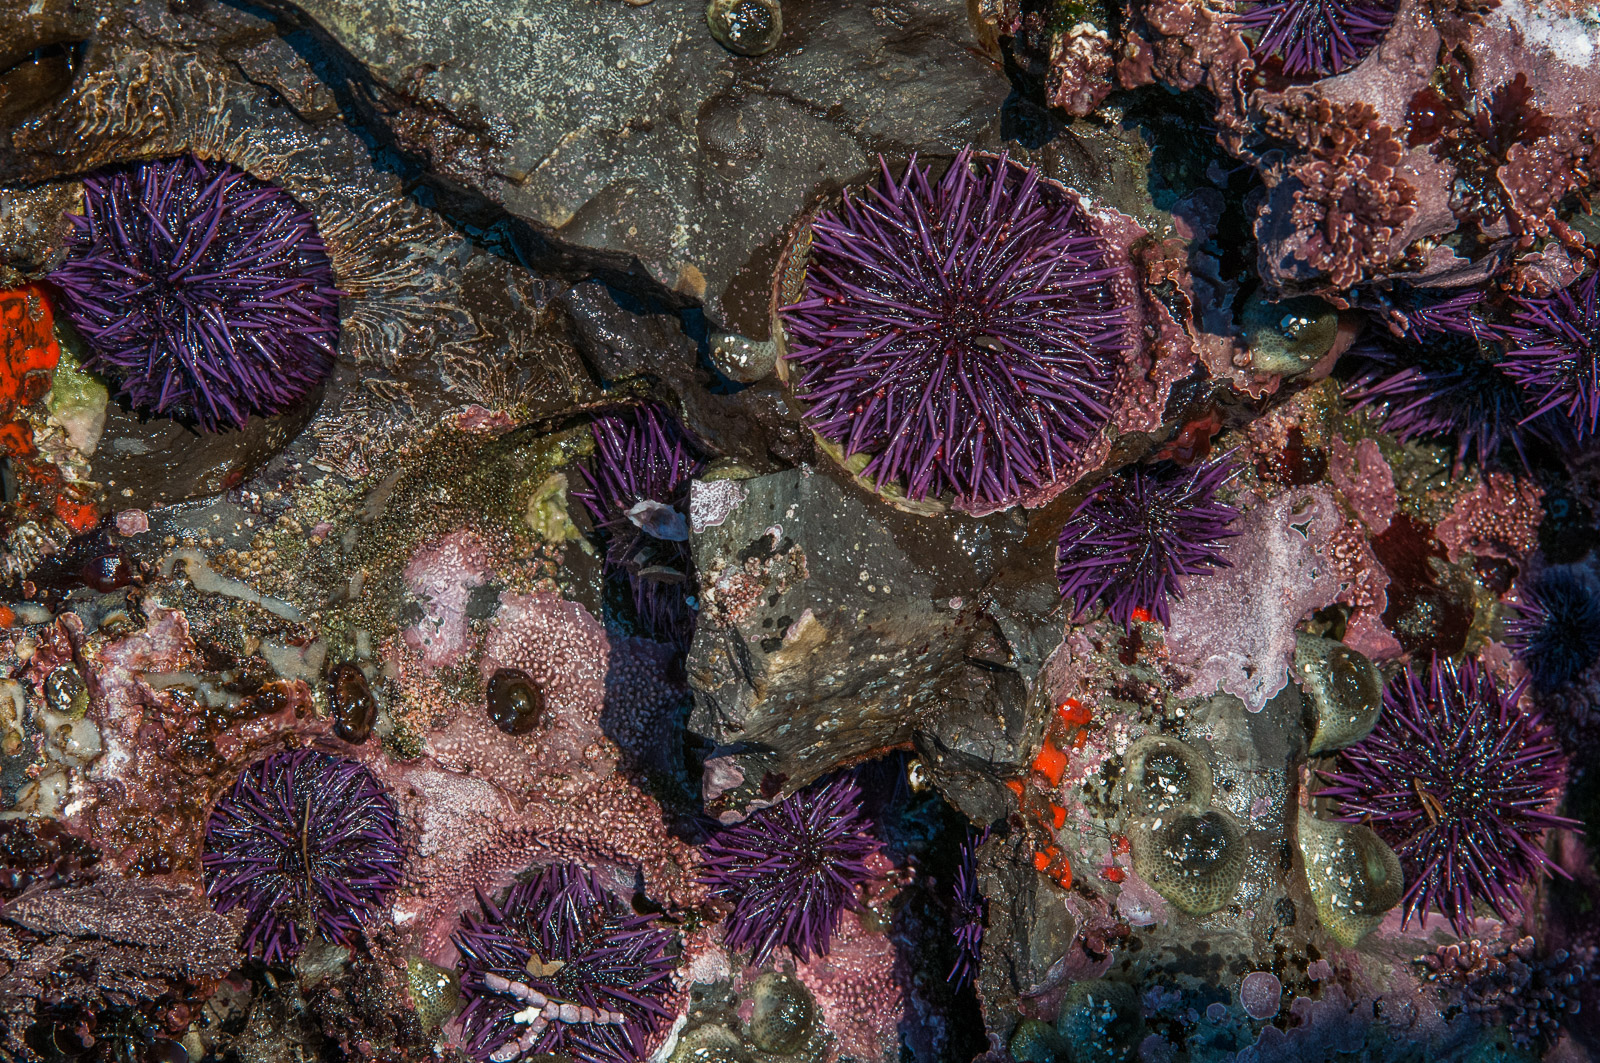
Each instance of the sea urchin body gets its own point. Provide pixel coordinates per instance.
(302, 839)
(1137, 535)
(1553, 351)
(970, 908)
(636, 496)
(1318, 38)
(562, 966)
(964, 331)
(790, 870)
(1458, 780)
(201, 291)
(1557, 634)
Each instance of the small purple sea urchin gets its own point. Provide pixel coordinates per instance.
(971, 907)
(201, 291)
(302, 838)
(562, 966)
(1457, 779)
(791, 869)
(1138, 534)
(965, 332)
(1557, 634)
(637, 491)
(1553, 351)
(1317, 38)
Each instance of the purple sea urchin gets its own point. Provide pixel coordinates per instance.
(962, 331)
(1317, 38)
(562, 966)
(971, 907)
(1457, 779)
(1449, 387)
(1137, 535)
(1553, 351)
(201, 291)
(302, 838)
(637, 491)
(791, 869)
(1557, 634)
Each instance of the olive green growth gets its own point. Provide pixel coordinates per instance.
(1344, 691)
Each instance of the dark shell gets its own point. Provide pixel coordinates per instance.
(351, 702)
(516, 702)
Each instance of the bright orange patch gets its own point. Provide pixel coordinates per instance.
(1058, 816)
(1120, 844)
(1063, 875)
(1113, 874)
(1040, 861)
(1073, 713)
(1015, 786)
(1051, 763)
(8, 618)
(1142, 615)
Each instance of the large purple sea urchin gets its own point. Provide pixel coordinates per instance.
(1553, 351)
(1317, 38)
(790, 870)
(201, 291)
(637, 492)
(302, 839)
(562, 966)
(964, 331)
(1557, 634)
(1137, 535)
(1458, 780)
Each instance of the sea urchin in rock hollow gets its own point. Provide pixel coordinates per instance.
(969, 911)
(562, 965)
(1553, 351)
(965, 331)
(638, 487)
(201, 291)
(1557, 634)
(1137, 535)
(791, 869)
(1458, 780)
(302, 839)
(1317, 38)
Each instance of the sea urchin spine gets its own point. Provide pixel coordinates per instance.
(562, 966)
(790, 870)
(1458, 780)
(1318, 38)
(1557, 634)
(964, 331)
(200, 290)
(302, 839)
(1553, 351)
(1137, 535)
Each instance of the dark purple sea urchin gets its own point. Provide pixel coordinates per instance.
(200, 291)
(1458, 780)
(1317, 38)
(302, 838)
(1553, 351)
(970, 909)
(1138, 534)
(791, 869)
(562, 966)
(637, 493)
(1557, 634)
(962, 331)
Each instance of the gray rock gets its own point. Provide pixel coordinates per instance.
(629, 131)
(833, 627)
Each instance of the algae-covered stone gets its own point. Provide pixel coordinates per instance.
(1161, 773)
(1344, 689)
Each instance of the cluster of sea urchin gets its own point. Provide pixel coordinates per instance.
(200, 291)
(1557, 631)
(1137, 535)
(791, 869)
(639, 485)
(302, 839)
(1458, 779)
(1553, 351)
(964, 331)
(562, 966)
(1317, 38)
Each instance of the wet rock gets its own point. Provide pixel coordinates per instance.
(816, 644)
(630, 131)
(618, 338)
